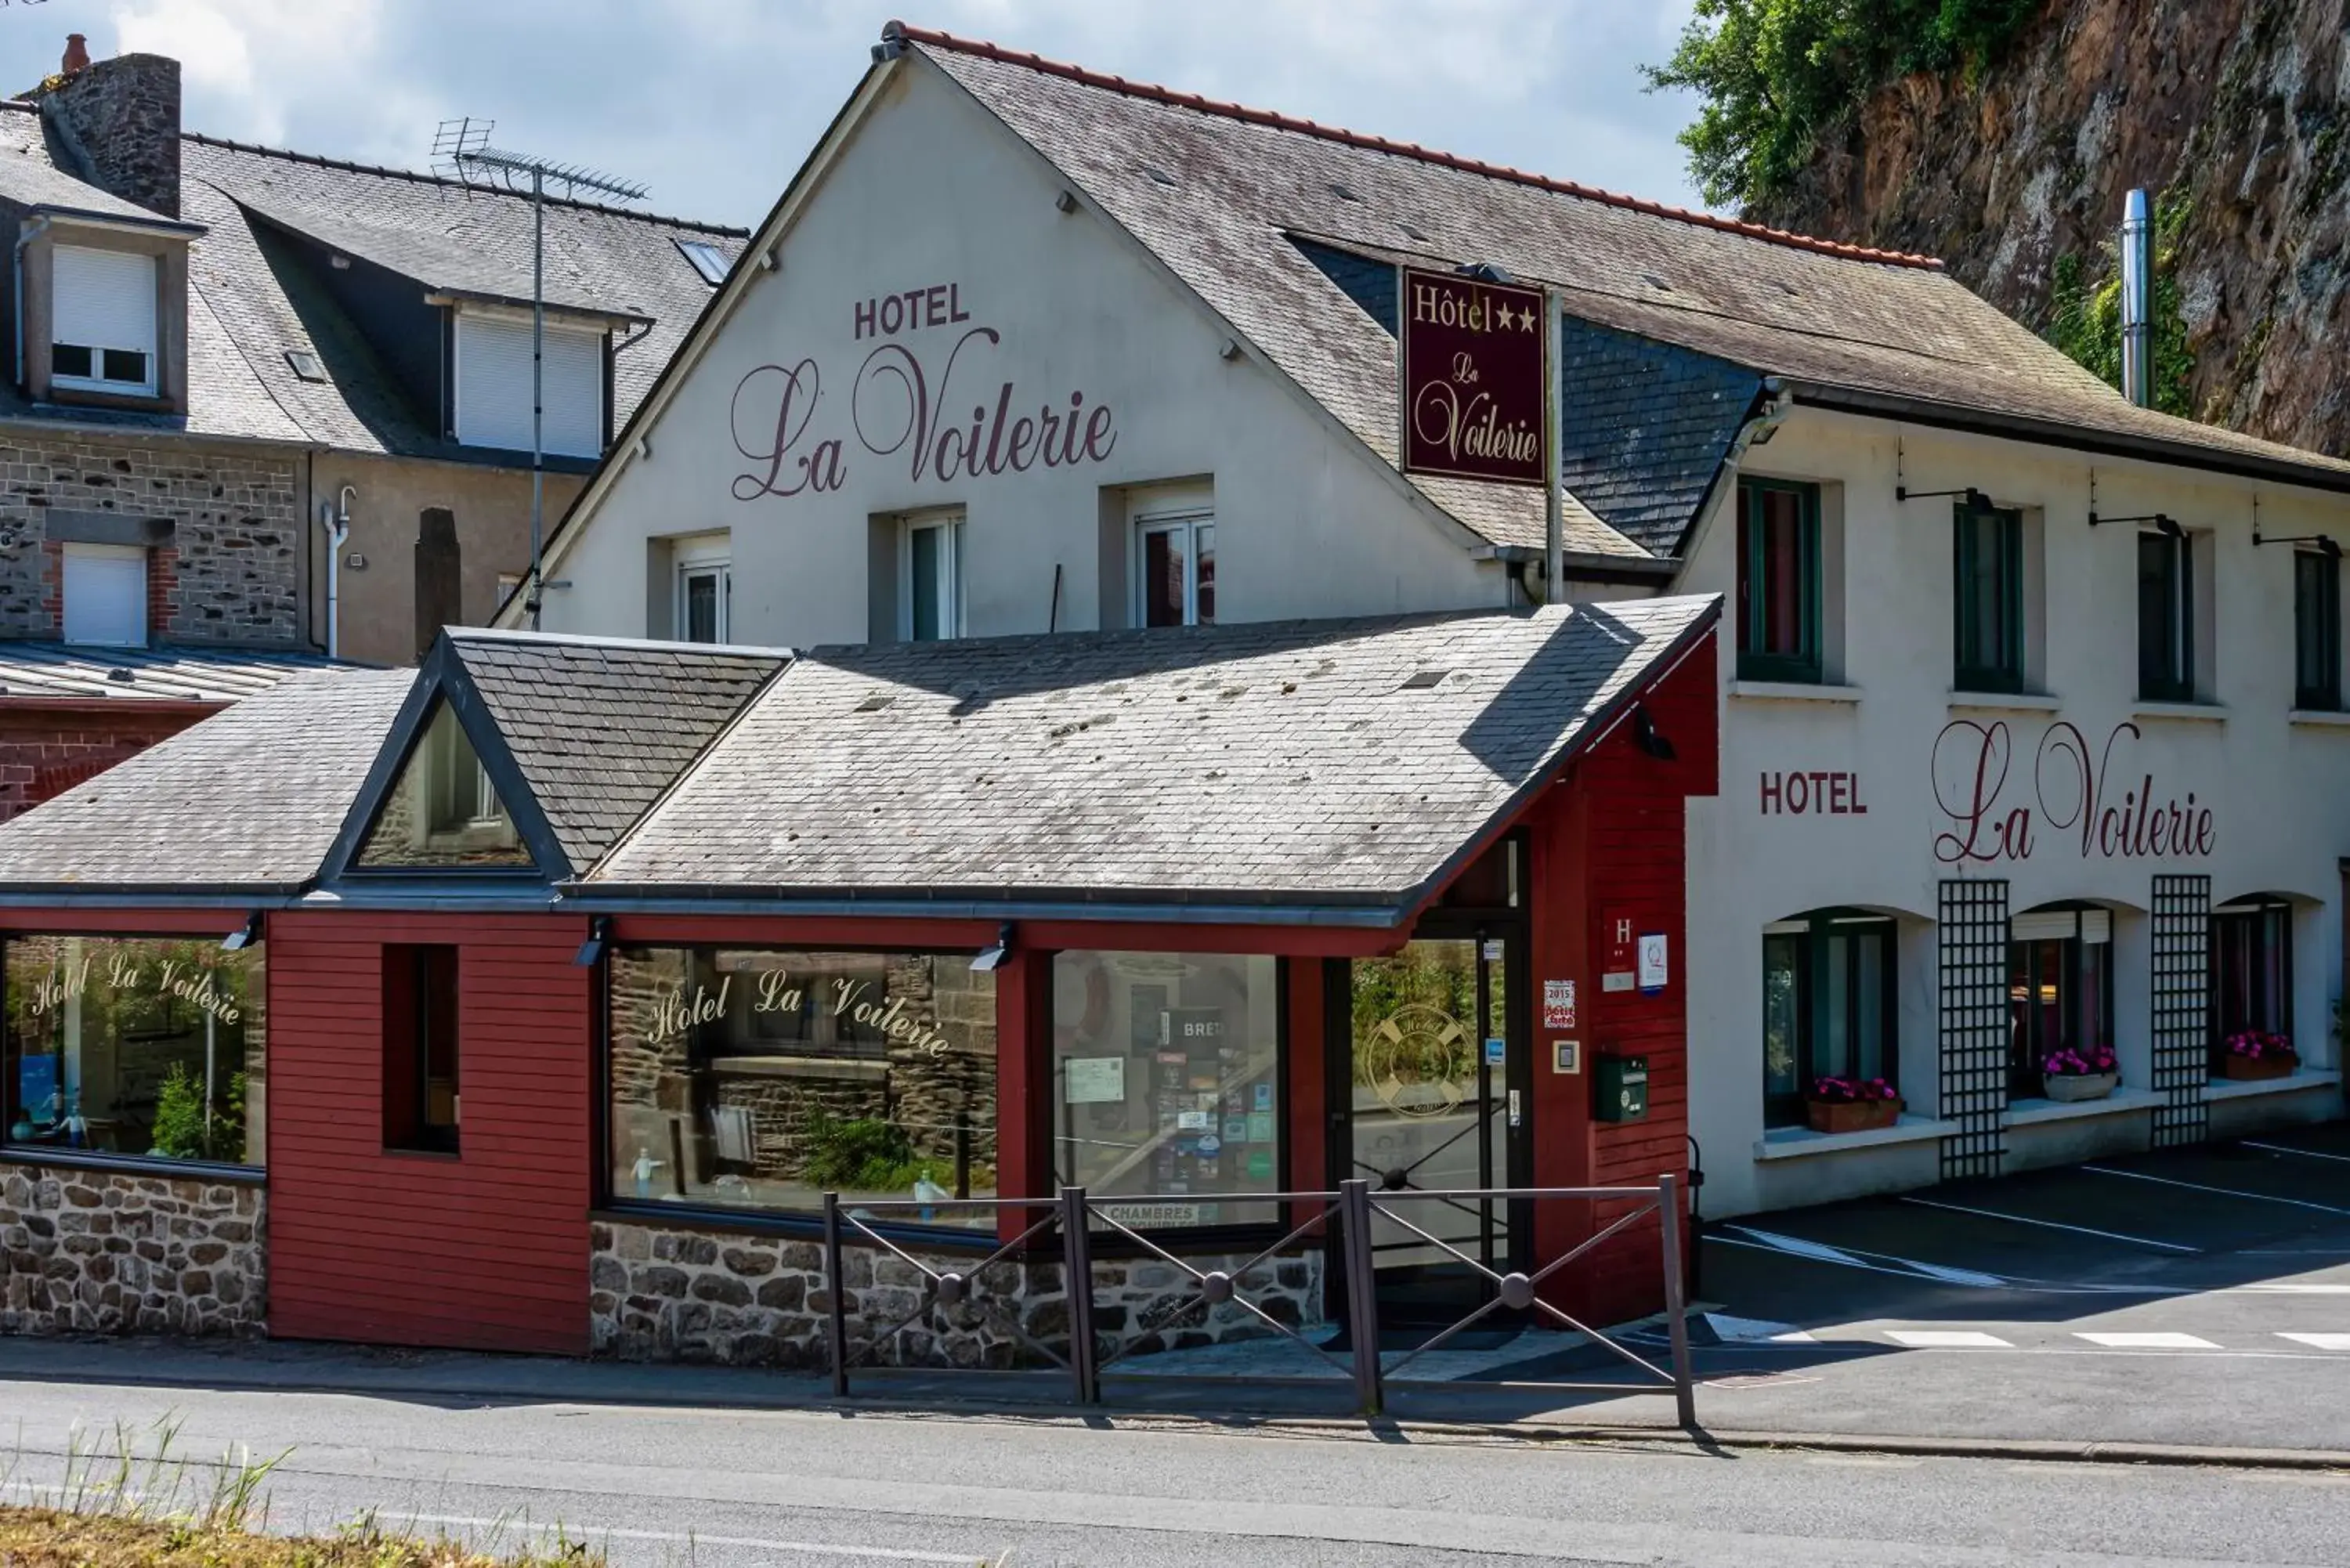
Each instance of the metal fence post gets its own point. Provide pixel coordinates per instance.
(1668, 1212)
(1362, 1292)
(1077, 1281)
(837, 1318)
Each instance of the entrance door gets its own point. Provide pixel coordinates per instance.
(1436, 1077)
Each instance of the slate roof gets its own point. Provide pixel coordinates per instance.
(1216, 191)
(249, 799)
(253, 300)
(1208, 764)
(60, 670)
(600, 729)
(29, 176)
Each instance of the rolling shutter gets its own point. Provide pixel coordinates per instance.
(105, 595)
(493, 386)
(105, 299)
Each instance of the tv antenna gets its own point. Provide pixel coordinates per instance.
(462, 147)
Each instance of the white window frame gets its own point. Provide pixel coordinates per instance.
(135, 635)
(950, 609)
(1186, 513)
(58, 261)
(706, 259)
(707, 559)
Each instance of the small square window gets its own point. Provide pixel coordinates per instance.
(123, 365)
(104, 593)
(74, 359)
(305, 364)
(707, 259)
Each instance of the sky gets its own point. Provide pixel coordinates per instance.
(712, 104)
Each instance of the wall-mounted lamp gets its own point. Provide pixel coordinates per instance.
(992, 959)
(1649, 738)
(1975, 499)
(1066, 202)
(244, 936)
(2327, 547)
(2167, 525)
(592, 951)
(1230, 351)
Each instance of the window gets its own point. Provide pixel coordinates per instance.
(1989, 607)
(1175, 575)
(2316, 632)
(134, 1046)
(2060, 990)
(442, 811)
(705, 594)
(2251, 969)
(1166, 1082)
(421, 1102)
(929, 578)
(1827, 1006)
(2166, 617)
(707, 259)
(748, 1078)
(1779, 581)
(105, 595)
(494, 385)
(102, 321)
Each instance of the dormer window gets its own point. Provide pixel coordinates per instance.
(102, 323)
(494, 384)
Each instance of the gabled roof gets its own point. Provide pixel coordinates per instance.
(76, 671)
(254, 300)
(1337, 762)
(1216, 189)
(247, 801)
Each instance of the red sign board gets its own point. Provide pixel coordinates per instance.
(1476, 357)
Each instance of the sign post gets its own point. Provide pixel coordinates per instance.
(1554, 500)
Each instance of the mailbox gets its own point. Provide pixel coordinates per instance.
(1620, 1089)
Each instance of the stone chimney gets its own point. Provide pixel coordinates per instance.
(119, 122)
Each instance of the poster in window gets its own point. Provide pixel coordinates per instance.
(1094, 1080)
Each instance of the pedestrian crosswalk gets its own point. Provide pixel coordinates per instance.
(2104, 1339)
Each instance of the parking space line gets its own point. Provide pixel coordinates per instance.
(1947, 1339)
(2303, 1153)
(2053, 1225)
(2320, 1341)
(2149, 1340)
(2223, 1191)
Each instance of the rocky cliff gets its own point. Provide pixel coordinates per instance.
(2232, 110)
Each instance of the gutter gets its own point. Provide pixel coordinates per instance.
(1377, 912)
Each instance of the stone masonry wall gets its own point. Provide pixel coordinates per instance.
(85, 1251)
(658, 1293)
(231, 571)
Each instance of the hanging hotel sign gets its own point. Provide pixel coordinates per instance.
(1475, 360)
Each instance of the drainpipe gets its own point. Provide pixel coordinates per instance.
(2137, 301)
(25, 236)
(336, 521)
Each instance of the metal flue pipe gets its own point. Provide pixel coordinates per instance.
(2137, 301)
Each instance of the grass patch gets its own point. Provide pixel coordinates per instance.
(53, 1538)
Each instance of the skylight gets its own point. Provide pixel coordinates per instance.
(707, 259)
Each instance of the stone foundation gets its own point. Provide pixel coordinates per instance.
(659, 1294)
(88, 1251)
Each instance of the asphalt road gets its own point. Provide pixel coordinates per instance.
(812, 1489)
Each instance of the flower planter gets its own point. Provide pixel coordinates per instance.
(2252, 1069)
(1851, 1115)
(2069, 1086)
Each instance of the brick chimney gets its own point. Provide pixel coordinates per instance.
(119, 122)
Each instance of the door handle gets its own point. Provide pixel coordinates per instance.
(1513, 1108)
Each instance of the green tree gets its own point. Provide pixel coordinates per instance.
(2084, 311)
(1776, 76)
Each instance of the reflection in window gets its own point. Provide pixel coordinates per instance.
(2251, 969)
(2060, 988)
(1166, 1083)
(134, 1046)
(420, 1096)
(1178, 584)
(1827, 1006)
(752, 1078)
(442, 811)
(1778, 580)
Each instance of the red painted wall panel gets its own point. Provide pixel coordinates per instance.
(483, 1250)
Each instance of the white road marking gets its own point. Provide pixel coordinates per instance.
(2053, 1225)
(2149, 1340)
(2320, 1341)
(689, 1538)
(1851, 1258)
(1947, 1339)
(2291, 1288)
(1734, 1330)
(2223, 1191)
(2303, 1153)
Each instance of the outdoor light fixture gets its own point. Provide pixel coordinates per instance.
(599, 930)
(1648, 737)
(2327, 545)
(1976, 500)
(2164, 522)
(992, 959)
(244, 936)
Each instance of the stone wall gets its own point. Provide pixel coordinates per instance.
(665, 1293)
(122, 117)
(231, 570)
(84, 1251)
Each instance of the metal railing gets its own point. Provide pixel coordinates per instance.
(1345, 1219)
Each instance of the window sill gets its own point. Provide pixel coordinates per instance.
(1793, 691)
(2231, 1090)
(2184, 713)
(2318, 718)
(2006, 701)
(2037, 1112)
(1798, 1143)
(132, 1164)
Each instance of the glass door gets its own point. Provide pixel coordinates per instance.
(1435, 1087)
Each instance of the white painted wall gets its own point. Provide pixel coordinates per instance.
(932, 192)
